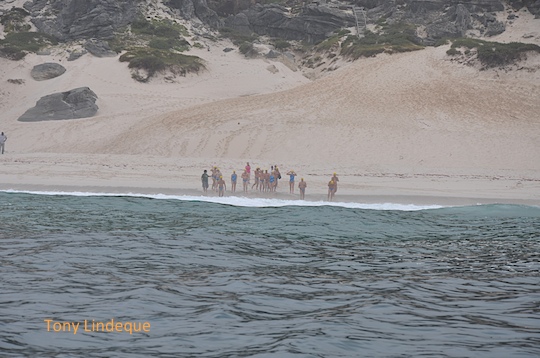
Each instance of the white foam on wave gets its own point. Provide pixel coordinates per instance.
(239, 200)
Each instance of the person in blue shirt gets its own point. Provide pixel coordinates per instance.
(271, 182)
(233, 181)
(291, 175)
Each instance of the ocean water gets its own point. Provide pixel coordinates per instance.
(237, 277)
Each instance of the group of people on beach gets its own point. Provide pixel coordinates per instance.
(265, 181)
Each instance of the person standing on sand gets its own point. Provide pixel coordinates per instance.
(248, 170)
(302, 186)
(331, 190)
(204, 179)
(233, 181)
(3, 139)
(335, 179)
(245, 180)
(257, 178)
(272, 181)
(221, 186)
(291, 175)
(277, 175)
(213, 171)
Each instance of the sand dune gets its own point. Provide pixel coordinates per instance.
(406, 112)
(406, 124)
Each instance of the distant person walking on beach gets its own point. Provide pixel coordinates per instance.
(3, 139)
(331, 190)
(221, 186)
(233, 181)
(291, 175)
(204, 179)
(335, 179)
(302, 186)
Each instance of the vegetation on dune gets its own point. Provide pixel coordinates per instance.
(154, 46)
(158, 34)
(280, 44)
(243, 41)
(17, 44)
(399, 37)
(159, 28)
(493, 54)
(154, 61)
(14, 20)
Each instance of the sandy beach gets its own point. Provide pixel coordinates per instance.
(411, 128)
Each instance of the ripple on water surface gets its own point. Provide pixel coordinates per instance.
(222, 280)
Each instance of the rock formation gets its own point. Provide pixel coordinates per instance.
(100, 19)
(312, 24)
(77, 103)
(46, 71)
(81, 19)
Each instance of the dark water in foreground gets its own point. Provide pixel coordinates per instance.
(218, 280)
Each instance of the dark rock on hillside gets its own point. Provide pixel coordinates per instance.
(532, 5)
(76, 54)
(99, 48)
(46, 71)
(77, 103)
(189, 9)
(441, 18)
(313, 24)
(81, 19)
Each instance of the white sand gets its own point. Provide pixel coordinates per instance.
(395, 128)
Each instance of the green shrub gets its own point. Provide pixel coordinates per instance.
(160, 28)
(342, 32)
(492, 54)
(17, 44)
(399, 37)
(453, 52)
(13, 20)
(154, 61)
(169, 44)
(236, 37)
(246, 48)
(329, 43)
(282, 44)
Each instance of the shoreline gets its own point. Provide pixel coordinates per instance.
(152, 175)
(429, 199)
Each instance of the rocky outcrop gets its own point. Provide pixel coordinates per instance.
(189, 9)
(81, 19)
(99, 19)
(46, 71)
(439, 18)
(77, 103)
(99, 48)
(313, 24)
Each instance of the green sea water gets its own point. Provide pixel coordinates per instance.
(267, 278)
